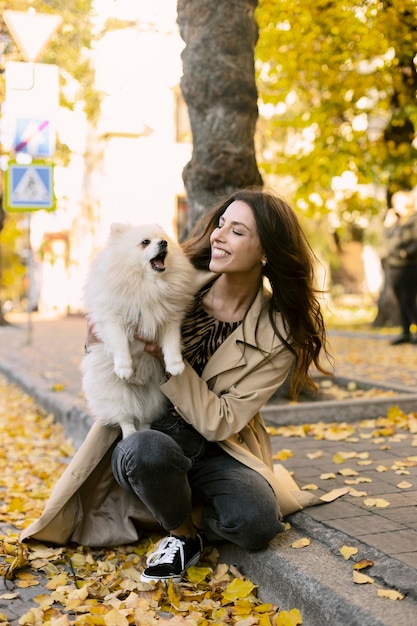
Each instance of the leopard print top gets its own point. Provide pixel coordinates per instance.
(202, 334)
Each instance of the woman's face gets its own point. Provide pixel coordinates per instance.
(235, 244)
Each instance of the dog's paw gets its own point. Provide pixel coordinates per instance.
(125, 372)
(175, 367)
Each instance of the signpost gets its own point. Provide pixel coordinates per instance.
(27, 128)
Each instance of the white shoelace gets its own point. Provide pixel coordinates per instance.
(166, 552)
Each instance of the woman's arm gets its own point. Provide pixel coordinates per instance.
(222, 407)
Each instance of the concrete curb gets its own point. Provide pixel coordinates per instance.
(283, 414)
(318, 583)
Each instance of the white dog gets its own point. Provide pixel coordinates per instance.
(140, 282)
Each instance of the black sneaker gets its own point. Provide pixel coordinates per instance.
(171, 558)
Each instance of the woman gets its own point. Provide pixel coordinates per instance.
(204, 470)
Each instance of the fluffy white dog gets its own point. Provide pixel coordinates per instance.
(140, 282)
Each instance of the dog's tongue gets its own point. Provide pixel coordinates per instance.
(158, 264)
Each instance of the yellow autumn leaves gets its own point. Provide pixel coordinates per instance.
(33, 450)
(375, 429)
(380, 431)
(359, 578)
(80, 586)
(103, 587)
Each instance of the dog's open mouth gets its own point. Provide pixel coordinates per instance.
(158, 262)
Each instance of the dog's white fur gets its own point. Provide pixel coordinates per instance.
(126, 293)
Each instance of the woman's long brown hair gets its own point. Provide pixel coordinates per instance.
(290, 271)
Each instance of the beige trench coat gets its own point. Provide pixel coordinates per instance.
(88, 507)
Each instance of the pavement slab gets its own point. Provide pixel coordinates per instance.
(316, 579)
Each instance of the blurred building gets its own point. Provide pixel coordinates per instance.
(129, 167)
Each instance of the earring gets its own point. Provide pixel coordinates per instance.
(263, 262)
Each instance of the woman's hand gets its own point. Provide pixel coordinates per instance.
(152, 348)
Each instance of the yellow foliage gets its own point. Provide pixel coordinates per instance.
(379, 503)
(198, 574)
(288, 618)
(327, 476)
(348, 551)
(391, 594)
(282, 455)
(315, 455)
(237, 590)
(404, 485)
(115, 618)
(347, 471)
(357, 494)
(361, 579)
(363, 563)
(301, 543)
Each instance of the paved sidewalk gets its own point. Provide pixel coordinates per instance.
(381, 468)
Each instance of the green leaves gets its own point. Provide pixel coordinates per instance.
(331, 76)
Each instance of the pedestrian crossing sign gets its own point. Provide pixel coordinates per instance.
(29, 187)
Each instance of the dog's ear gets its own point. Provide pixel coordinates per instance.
(117, 228)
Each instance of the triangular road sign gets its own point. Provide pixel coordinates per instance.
(32, 31)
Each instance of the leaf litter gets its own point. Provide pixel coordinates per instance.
(383, 432)
(79, 585)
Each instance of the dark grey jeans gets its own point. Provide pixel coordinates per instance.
(171, 466)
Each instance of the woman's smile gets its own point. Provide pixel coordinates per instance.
(218, 252)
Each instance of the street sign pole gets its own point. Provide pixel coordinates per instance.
(29, 278)
(32, 97)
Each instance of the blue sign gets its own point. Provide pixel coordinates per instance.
(29, 187)
(34, 136)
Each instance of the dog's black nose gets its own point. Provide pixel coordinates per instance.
(163, 244)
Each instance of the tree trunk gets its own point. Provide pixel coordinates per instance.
(218, 85)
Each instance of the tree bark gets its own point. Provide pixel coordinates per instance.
(218, 85)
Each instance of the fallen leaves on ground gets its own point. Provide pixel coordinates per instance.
(301, 543)
(382, 433)
(289, 618)
(80, 585)
(348, 551)
(374, 360)
(361, 579)
(379, 503)
(390, 428)
(391, 594)
(331, 390)
(103, 587)
(363, 564)
(377, 429)
(282, 455)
